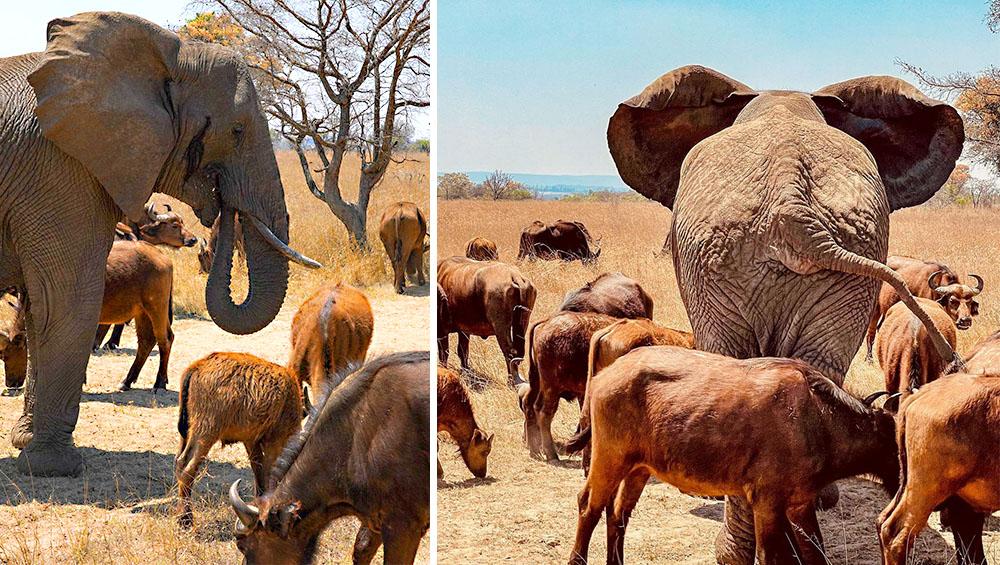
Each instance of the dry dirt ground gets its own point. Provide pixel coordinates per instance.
(120, 510)
(525, 510)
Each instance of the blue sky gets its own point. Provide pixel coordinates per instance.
(529, 86)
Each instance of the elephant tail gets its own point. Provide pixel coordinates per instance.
(182, 418)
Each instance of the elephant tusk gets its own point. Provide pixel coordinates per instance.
(279, 246)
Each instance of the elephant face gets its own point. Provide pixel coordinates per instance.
(914, 140)
(173, 117)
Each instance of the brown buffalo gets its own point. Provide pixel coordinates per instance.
(557, 369)
(485, 299)
(403, 229)
(713, 426)
(350, 460)
(613, 294)
(206, 248)
(905, 350)
(13, 341)
(481, 249)
(138, 285)
(229, 398)
(443, 324)
(330, 332)
(984, 359)
(455, 416)
(926, 279)
(948, 437)
(564, 240)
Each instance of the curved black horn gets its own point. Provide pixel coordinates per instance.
(247, 513)
(931, 282)
(979, 282)
(871, 398)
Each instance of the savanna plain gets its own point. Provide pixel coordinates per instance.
(121, 509)
(525, 510)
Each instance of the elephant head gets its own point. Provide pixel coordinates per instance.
(181, 118)
(914, 140)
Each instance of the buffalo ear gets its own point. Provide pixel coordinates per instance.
(915, 140)
(103, 98)
(651, 133)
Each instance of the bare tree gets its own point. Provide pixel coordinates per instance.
(454, 185)
(983, 193)
(498, 185)
(339, 76)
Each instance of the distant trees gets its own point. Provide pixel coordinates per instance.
(962, 189)
(497, 186)
(452, 186)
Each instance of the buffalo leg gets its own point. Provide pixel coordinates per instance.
(366, 545)
(899, 528)
(967, 529)
(185, 470)
(443, 349)
(463, 349)
(256, 455)
(870, 334)
(618, 515)
(116, 337)
(164, 342)
(400, 543)
(602, 484)
(415, 265)
(808, 536)
(735, 543)
(102, 330)
(546, 413)
(146, 340)
(773, 543)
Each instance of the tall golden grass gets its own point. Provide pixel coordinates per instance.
(631, 234)
(313, 230)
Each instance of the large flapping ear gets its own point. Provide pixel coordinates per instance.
(650, 133)
(915, 140)
(103, 97)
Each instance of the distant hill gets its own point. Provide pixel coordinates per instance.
(556, 186)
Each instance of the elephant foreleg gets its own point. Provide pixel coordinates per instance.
(736, 544)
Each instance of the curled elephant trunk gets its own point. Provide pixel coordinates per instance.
(267, 270)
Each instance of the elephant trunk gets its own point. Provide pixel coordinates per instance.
(267, 270)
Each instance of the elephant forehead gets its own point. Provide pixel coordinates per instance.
(799, 104)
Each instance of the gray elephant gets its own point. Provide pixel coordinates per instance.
(114, 109)
(781, 206)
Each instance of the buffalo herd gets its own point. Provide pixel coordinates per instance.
(653, 405)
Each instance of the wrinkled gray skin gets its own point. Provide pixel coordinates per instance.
(115, 109)
(781, 206)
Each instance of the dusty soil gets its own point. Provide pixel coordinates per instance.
(525, 510)
(119, 510)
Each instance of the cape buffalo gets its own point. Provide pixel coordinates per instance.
(206, 248)
(13, 342)
(481, 249)
(613, 294)
(403, 229)
(564, 240)
(485, 299)
(905, 351)
(455, 416)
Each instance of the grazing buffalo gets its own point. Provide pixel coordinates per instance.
(350, 460)
(905, 350)
(403, 229)
(613, 294)
(557, 369)
(331, 331)
(926, 279)
(139, 285)
(206, 249)
(13, 342)
(948, 437)
(160, 229)
(564, 240)
(481, 249)
(485, 299)
(712, 426)
(455, 416)
(233, 397)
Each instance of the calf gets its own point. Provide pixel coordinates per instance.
(138, 285)
(948, 437)
(774, 431)
(481, 249)
(456, 417)
(330, 332)
(485, 299)
(557, 369)
(350, 460)
(233, 397)
(905, 351)
(13, 342)
(613, 294)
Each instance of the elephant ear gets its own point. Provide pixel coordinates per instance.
(915, 140)
(651, 133)
(102, 90)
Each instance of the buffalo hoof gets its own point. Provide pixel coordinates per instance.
(158, 386)
(21, 434)
(47, 460)
(124, 387)
(12, 391)
(185, 520)
(828, 497)
(110, 347)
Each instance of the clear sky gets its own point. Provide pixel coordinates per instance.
(528, 87)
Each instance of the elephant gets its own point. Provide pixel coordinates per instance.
(781, 204)
(114, 109)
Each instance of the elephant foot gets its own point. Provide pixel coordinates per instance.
(48, 460)
(735, 544)
(21, 434)
(828, 497)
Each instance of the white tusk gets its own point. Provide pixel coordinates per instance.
(277, 244)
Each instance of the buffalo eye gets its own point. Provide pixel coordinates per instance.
(238, 133)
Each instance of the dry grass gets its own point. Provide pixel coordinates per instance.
(527, 509)
(120, 510)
